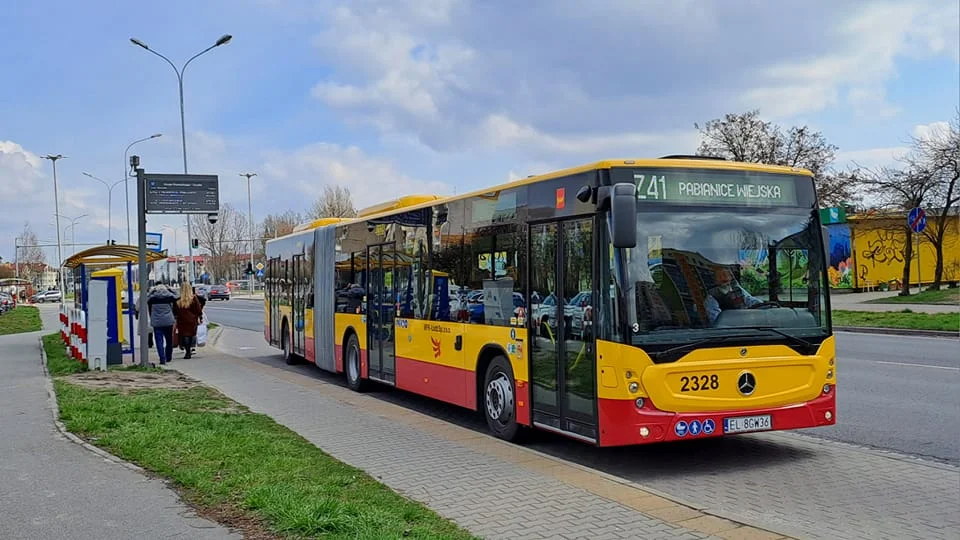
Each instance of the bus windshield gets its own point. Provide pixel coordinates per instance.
(715, 268)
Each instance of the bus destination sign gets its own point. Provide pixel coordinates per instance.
(182, 194)
(689, 187)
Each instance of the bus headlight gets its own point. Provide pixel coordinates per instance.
(829, 373)
(644, 432)
(634, 386)
(639, 402)
(826, 389)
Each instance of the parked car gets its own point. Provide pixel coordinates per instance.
(218, 292)
(202, 290)
(48, 296)
(6, 302)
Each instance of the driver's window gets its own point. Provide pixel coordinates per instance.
(793, 276)
(754, 266)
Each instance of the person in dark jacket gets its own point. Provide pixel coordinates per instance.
(188, 313)
(160, 302)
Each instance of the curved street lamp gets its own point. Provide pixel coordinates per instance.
(126, 176)
(223, 40)
(109, 187)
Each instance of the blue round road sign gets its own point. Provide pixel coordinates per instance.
(917, 220)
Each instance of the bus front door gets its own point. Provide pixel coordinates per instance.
(563, 365)
(381, 310)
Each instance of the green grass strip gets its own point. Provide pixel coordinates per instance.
(19, 320)
(898, 319)
(941, 296)
(222, 454)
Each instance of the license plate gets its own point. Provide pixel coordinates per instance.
(747, 423)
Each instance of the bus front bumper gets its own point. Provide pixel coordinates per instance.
(623, 423)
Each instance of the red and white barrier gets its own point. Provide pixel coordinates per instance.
(75, 332)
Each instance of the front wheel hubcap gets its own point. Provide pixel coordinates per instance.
(499, 398)
(352, 365)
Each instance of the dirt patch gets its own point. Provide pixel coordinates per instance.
(133, 380)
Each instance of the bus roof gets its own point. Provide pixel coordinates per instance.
(415, 202)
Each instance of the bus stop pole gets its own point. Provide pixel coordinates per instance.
(144, 326)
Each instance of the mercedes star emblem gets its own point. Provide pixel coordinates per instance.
(747, 383)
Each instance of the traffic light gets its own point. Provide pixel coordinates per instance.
(249, 270)
(196, 243)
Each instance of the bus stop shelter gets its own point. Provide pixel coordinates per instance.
(20, 288)
(116, 264)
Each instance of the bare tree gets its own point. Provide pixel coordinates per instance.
(223, 240)
(336, 201)
(276, 225)
(746, 137)
(939, 155)
(898, 190)
(31, 257)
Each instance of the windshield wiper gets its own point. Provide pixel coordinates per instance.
(659, 356)
(793, 339)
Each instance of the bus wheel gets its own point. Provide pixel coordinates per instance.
(499, 399)
(351, 363)
(285, 345)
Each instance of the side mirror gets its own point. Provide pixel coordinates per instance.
(621, 200)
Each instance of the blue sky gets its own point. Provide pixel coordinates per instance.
(391, 97)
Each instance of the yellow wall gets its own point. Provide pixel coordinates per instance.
(878, 244)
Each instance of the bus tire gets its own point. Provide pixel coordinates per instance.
(285, 345)
(498, 401)
(351, 364)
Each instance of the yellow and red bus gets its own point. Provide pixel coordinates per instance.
(620, 302)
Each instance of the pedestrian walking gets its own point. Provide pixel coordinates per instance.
(188, 313)
(160, 302)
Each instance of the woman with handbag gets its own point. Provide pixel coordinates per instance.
(188, 313)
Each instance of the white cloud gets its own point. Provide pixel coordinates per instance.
(499, 131)
(452, 73)
(866, 46)
(371, 180)
(871, 158)
(932, 130)
(890, 156)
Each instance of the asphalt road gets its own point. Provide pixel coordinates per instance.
(895, 392)
(238, 313)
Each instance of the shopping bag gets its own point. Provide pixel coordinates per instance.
(202, 334)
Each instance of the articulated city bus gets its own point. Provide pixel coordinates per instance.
(622, 302)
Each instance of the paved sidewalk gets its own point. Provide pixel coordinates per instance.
(855, 302)
(492, 488)
(51, 488)
(798, 485)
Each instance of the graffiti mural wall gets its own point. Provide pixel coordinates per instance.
(841, 257)
(877, 246)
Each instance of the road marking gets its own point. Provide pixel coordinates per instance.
(916, 365)
(897, 337)
(906, 364)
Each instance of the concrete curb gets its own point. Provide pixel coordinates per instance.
(55, 409)
(897, 331)
(213, 336)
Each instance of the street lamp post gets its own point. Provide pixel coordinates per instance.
(126, 176)
(224, 39)
(250, 219)
(109, 187)
(73, 231)
(56, 204)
